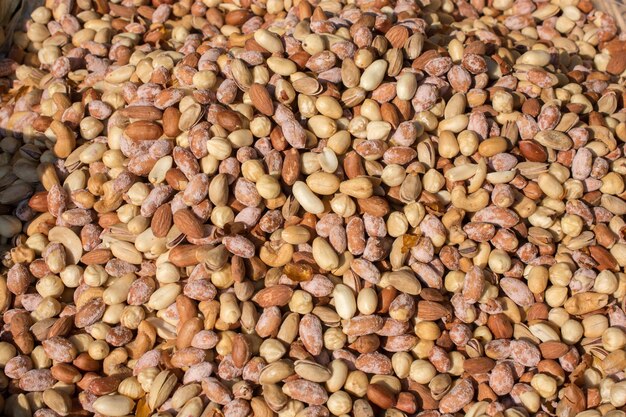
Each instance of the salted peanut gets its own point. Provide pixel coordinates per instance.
(345, 301)
(544, 385)
(357, 188)
(343, 205)
(324, 254)
(492, 146)
(322, 126)
(406, 87)
(308, 218)
(550, 186)
(323, 183)
(303, 194)
(295, 235)
(329, 107)
(268, 187)
(113, 405)
(373, 75)
(366, 302)
(268, 40)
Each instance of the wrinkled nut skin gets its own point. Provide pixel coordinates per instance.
(458, 397)
(306, 391)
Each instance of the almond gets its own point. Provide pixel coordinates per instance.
(474, 283)
(187, 357)
(499, 216)
(381, 396)
(500, 326)
(61, 327)
(176, 179)
(525, 353)
(239, 245)
(400, 343)
(229, 120)
(261, 99)
(216, 391)
(429, 310)
(615, 46)
(538, 311)
(460, 79)
(171, 117)
(390, 114)
(276, 295)
(291, 166)
(143, 130)
(478, 365)
(366, 344)
(397, 36)
(501, 378)
(168, 97)
(188, 223)
(161, 221)
(420, 62)
(533, 151)
(241, 350)
(97, 257)
(518, 291)
(617, 63)
(318, 15)
(553, 349)
(532, 107)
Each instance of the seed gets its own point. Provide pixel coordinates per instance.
(309, 201)
(268, 40)
(113, 405)
(323, 183)
(265, 206)
(373, 75)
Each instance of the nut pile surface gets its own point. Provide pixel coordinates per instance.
(305, 209)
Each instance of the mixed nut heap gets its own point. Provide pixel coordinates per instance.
(304, 209)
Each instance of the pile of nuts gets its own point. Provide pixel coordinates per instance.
(314, 208)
